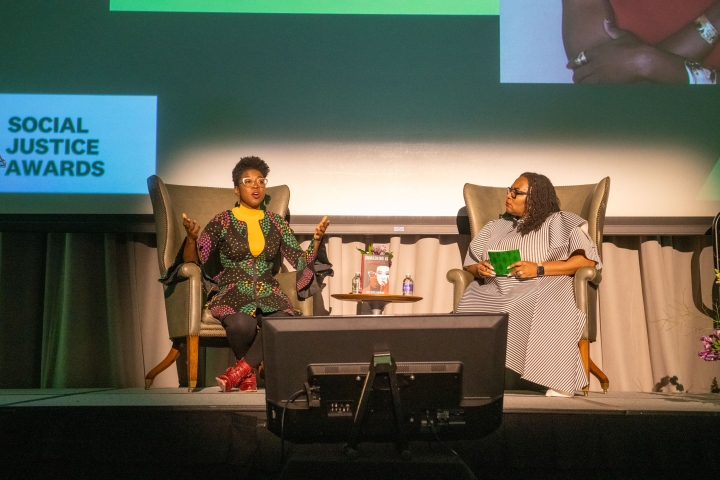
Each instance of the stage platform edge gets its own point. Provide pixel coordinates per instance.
(123, 433)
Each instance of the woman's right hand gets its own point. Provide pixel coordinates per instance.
(482, 269)
(485, 270)
(191, 228)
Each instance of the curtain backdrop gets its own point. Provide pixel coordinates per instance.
(653, 295)
(86, 310)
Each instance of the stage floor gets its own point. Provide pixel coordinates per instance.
(613, 403)
(164, 432)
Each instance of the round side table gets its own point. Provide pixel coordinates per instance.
(376, 302)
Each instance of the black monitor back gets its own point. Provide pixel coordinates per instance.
(456, 363)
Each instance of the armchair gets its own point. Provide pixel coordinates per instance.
(188, 321)
(588, 201)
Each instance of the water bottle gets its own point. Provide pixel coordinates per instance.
(356, 283)
(407, 285)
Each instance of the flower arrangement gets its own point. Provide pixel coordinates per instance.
(380, 249)
(711, 342)
(711, 352)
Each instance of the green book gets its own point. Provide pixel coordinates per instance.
(500, 259)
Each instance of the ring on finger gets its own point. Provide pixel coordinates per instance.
(581, 59)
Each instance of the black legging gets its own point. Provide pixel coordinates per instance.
(244, 334)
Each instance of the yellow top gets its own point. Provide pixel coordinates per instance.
(252, 217)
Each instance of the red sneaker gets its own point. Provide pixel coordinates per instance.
(249, 384)
(234, 375)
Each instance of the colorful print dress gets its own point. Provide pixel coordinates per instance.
(544, 323)
(245, 283)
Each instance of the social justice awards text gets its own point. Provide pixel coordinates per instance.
(63, 148)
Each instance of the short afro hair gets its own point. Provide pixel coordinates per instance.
(249, 163)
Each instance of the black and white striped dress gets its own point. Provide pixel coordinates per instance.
(545, 324)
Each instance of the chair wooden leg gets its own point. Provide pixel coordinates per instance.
(193, 348)
(604, 382)
(160, 367)
(584, 347)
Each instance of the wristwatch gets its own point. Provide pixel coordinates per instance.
(540, 270)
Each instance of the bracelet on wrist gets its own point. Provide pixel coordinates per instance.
(706, 30)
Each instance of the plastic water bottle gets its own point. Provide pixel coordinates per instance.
(407, 285)
(356, 283)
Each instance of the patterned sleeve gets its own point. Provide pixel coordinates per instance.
(207, 243)
(475, 253)
(211, 236)
(208, 246)
(580, 240)
(291, 250)
(572, 231)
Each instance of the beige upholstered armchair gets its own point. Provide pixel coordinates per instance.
(589, 201)
(188, 321)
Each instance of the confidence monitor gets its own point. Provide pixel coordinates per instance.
(450, 375)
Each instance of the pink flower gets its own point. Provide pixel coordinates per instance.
(708, 356)
(711, 344)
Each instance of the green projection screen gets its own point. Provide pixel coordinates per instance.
(360, 107)
(372, 7)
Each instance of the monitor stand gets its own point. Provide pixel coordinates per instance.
(382, 363)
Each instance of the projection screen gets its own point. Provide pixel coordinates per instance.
(367, 107)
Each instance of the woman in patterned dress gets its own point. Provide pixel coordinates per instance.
(544, 323)
(248, 240)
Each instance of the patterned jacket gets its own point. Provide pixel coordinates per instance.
(246, 283)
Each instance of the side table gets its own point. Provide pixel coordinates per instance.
(376, 302)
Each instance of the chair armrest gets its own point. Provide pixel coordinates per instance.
(585, 298)
(589, 274)
(460, 280)
(189, 270)
(184, 301)
(580, 281)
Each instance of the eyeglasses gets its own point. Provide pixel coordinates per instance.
(249, 182)
(514, 192)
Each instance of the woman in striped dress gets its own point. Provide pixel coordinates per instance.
(537, 292)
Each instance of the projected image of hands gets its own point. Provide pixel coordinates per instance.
(610, 41)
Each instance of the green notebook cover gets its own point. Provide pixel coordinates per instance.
(500, 259)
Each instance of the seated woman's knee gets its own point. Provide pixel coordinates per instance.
(240, 325)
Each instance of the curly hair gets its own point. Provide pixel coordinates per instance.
(249, 163)
(541, 202)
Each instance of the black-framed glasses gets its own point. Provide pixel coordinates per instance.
(249, 182)
(514, 192)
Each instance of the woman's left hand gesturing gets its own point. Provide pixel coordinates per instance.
(523, 269)
(320, 229)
